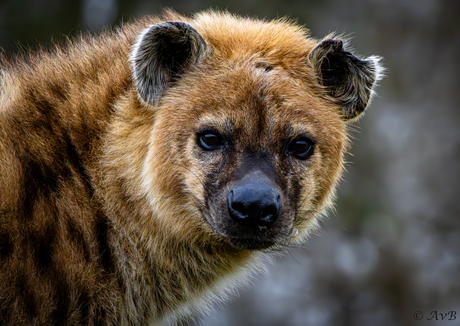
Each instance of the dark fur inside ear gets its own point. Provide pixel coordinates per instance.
(349, 80)
(162, 53)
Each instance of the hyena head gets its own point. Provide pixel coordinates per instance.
(250, 126)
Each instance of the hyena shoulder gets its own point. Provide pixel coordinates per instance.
(148, 169)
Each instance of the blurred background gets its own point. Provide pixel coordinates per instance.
(391, 252)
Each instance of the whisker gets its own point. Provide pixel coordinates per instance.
(323, 226)
(201, 181)
(293, 257)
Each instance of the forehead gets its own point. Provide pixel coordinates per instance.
(251, 102)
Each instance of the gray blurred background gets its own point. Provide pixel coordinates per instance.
(392, 249)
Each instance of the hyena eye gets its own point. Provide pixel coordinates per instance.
(301, 148)
(210, 140)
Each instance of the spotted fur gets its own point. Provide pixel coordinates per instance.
(111, 213)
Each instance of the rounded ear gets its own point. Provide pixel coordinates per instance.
(161, 54)
(349, 80)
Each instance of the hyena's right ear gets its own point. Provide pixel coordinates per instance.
(349, 81)
(161, 54)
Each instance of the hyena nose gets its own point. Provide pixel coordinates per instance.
(254, 204)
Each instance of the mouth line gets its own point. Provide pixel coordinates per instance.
(252, 238)
(255, 242)
(249, 243)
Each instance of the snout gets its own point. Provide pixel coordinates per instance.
(254, 201)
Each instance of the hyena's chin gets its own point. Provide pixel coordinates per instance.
(257, 240)
(253, 238)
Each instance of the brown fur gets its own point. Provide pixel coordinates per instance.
(109, 211)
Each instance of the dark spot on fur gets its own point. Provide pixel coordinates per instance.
(58, 90)
(62, 300)
(27, 296)
(38, 180)
(6, 247)
(43, 245)
(74, 157)
(105, 253)
(84, 301)
(40, 177)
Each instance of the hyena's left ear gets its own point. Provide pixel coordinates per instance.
(161, 54)
(349, 80)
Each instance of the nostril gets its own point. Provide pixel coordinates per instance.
(237, 209)
(270, 212)
(240, 209)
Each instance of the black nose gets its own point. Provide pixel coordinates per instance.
(254, 202)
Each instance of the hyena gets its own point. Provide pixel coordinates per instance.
(145, 171)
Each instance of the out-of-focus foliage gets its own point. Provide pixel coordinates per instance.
(393, 247)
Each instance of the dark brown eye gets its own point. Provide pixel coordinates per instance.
(301, 148)
(209, 140)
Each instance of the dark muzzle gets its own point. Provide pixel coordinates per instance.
(254, 201)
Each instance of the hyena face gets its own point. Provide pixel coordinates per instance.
(254, 164)
(256, 131)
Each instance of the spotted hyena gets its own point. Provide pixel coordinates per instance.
(143, 171)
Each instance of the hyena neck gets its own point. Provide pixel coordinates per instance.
(173, 276)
